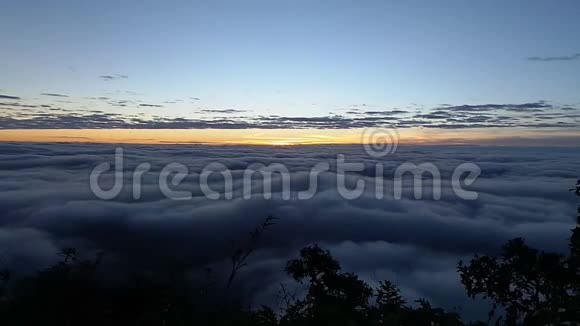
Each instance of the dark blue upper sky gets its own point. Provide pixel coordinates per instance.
(303, 58)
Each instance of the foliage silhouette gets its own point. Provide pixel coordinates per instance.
(240, 256)
(533, 287)
(338, 298)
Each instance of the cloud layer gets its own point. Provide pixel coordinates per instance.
(46, 204)
(532, 115)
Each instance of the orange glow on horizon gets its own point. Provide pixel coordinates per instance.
(281, 137)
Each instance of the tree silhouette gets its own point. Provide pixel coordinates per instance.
(333, 297)
(338, 298)
(240, 256)
(532, 286)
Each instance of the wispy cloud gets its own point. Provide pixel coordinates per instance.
(8, 97)
(524, 107)
(561, 58)
(19, 105)
(113, 77)
(54, 95)
(533, 115)
(387, 112)
(226, 111)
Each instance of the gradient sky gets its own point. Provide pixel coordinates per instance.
(240, 60)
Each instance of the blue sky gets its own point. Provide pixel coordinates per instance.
(291, 58)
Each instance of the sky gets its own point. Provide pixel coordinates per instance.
(289, 71)
(501, 73)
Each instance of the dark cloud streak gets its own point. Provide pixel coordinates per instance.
(9, 97)
(561, 58)
(54, 95)
(226, 111)
(113, 77)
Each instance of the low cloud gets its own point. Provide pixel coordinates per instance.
(46, 204)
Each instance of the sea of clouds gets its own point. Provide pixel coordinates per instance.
(46, 203)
